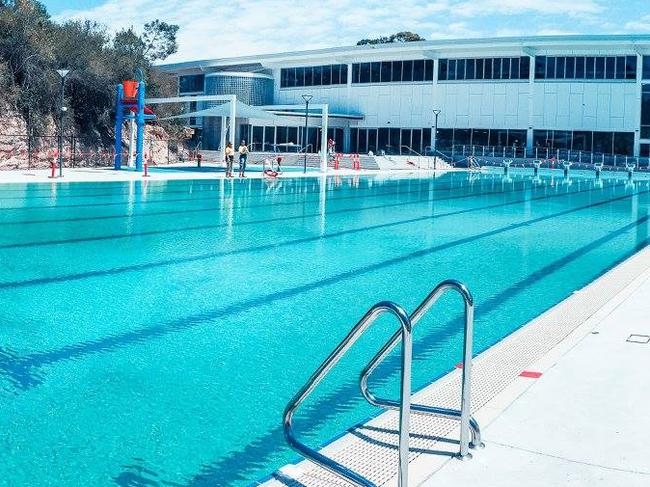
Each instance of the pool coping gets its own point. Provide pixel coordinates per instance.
(533, 348)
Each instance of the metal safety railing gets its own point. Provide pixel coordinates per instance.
(403, 335)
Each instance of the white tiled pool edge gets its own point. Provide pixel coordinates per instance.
(496, 383)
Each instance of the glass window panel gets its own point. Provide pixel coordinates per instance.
(542, 139)
(561, 139)
(354, 140)
(603, 142)
(645, 73)
(451, 74)
(281, 135)
(480, 136)
(497, 68)
(327, 75)
(570, 69)
(416, 141)
(581, 141)
(630, 67)
(300, 76)
(356, 71)
(514, 68)
(470, 69)
(394, 141)
(580, 67)
(479, 69)
(444, 139)
(462, 136)
(363, 141)
(336, 74)
(505, 68)
(292, 134)
(540, 67)
(257, 138)
(375, 72)
(418, 70)
(600, 68)
(283, 77)
(269, 138)
(524, 64)
(344, 74)
(386, 72)
(589, 67)
(426, 137)
(517, 138)
(610, 67)
(645, 150)
(372, 140)
(550, 67)
(397, 71)
(488, 74)
(620, 67)
(191, 83)
(309, 76)
(382, 139)
(318, 74)
(428, 70)
(624, 143)
(442, 70)
(364, 76)
(460, 68)
(559, 67)
(407, 70)
(406, 141)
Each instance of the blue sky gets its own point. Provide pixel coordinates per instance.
(217, 28)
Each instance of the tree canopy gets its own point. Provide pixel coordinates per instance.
(405, 36)
(33, 47)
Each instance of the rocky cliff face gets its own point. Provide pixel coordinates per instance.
(18, 151)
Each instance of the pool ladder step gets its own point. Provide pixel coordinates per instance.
(470, 434)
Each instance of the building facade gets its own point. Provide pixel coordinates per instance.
(568, 93)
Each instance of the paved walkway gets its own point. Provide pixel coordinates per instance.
(584, 422)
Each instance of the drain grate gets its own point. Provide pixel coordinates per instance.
(642, 339)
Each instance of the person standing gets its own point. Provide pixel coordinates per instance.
(243, 157)
(230, 158)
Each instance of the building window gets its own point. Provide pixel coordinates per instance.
(589, 67)
(609, 143)
(393, 71)
(191, 83)
(515, 68)
(645, 73)
(326, 75)
(645, 112)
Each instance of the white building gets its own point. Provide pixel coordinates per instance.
(567, 93)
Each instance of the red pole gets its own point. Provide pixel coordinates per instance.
(146, 172)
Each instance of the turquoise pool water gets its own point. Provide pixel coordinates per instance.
(151, 333)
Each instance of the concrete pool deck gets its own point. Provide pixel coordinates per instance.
(562, 401)
(187, 171)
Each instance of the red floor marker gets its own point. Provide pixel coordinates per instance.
(530, 375)
(459, 365)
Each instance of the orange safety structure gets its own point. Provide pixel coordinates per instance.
(130, 87)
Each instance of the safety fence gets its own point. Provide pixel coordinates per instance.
(22, 151)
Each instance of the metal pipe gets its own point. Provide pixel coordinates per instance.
(405, 333)
(467, 423)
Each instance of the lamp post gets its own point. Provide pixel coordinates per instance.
(435, 137)
(62, 109)
(305, 135)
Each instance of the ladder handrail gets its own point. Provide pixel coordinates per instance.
(467, 422)
(405, 333)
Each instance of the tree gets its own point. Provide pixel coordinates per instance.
(404, 36)
(159, 40)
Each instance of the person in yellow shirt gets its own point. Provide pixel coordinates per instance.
(243, 157)
(230, 158)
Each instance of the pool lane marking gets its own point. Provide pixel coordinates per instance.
(267, 220)
(530, 374)
(17, 369)
(270, 246)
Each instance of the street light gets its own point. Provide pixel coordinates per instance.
(62, 109)
(305, 136)
(435, 138)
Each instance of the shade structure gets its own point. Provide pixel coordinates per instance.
(242, 110)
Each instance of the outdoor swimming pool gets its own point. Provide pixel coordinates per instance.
(151, 333)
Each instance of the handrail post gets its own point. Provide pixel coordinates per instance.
(466, 388)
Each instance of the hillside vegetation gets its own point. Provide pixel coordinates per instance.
(33, 47)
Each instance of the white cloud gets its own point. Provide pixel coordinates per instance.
(640, 25)
(221, 28)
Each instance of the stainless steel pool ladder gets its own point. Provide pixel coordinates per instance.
(467, 424)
